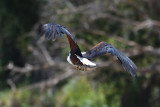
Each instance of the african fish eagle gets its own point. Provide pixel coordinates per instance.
(81, 59)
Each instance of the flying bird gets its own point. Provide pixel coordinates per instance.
(82, 59)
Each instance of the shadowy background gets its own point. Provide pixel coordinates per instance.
(34, 71)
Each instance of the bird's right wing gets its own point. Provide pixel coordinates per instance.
(103, 48)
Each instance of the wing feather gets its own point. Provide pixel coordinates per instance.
(103, 48)
(52, 31)
(59, 31)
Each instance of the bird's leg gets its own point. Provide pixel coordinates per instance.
(84, 68)
(78, 67)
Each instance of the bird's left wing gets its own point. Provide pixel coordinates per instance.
(52, 30)
(103, 48)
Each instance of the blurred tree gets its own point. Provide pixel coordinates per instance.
(133, 26)
(16, 19)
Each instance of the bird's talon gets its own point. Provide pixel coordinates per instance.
(79, 68)
(76, 67)
(83, 69)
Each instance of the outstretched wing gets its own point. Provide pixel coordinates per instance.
(103, 48)
(52, 30)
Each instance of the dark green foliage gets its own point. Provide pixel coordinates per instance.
(16, 18)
